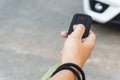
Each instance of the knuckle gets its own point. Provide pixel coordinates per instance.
(72, 36)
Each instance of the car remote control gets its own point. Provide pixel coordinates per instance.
(86, 20)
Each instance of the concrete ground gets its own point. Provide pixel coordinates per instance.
(30, 41)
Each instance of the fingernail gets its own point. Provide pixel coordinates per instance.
(74, 26)
(80, 25)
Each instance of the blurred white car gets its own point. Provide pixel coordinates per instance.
(103, 11)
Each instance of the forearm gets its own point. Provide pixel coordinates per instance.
(64, 75)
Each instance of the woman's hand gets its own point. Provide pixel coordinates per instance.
(77, 50)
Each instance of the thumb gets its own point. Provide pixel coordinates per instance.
(78, 31)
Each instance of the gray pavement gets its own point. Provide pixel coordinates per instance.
(30, 41)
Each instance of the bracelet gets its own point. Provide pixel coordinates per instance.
(76, 67)
(69, 67)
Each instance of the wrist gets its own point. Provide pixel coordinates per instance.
(80, 64)
(75, 69)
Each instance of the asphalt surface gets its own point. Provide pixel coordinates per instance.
(30, 41)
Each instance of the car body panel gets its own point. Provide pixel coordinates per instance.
(112, 11)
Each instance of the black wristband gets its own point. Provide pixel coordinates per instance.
(77, 67)
(68, 68)
(72, 67)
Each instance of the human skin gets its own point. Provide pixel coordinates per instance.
(75, 50)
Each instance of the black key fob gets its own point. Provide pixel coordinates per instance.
(86, 20)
